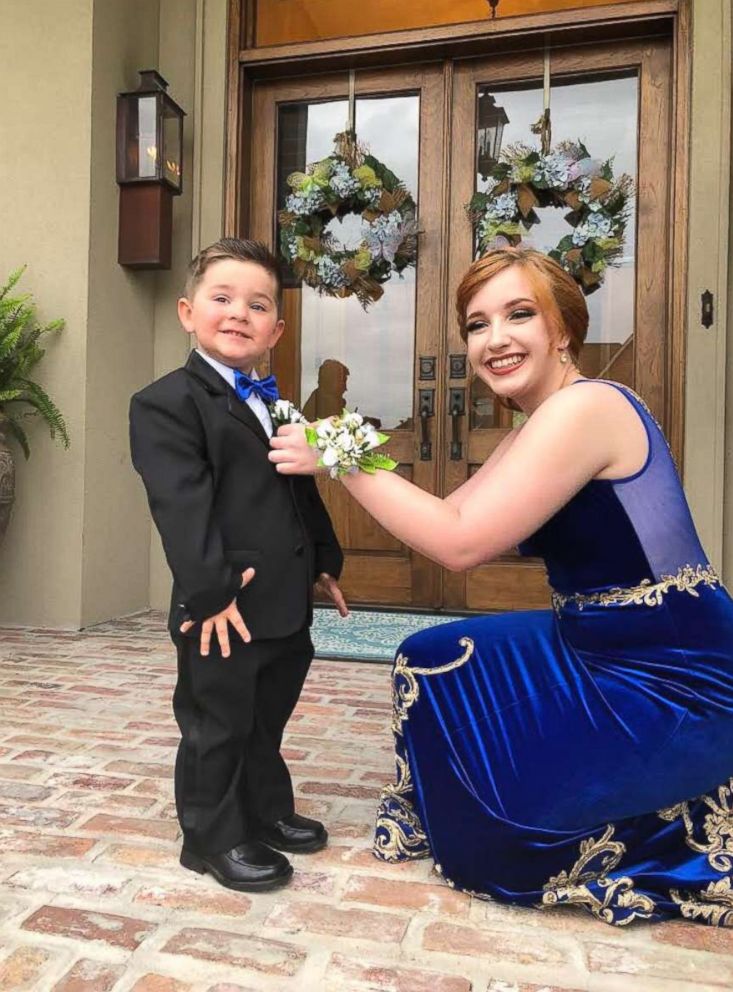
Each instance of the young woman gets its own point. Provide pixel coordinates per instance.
(552, 757)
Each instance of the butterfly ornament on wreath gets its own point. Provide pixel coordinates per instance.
(349, 181)
(567, 176)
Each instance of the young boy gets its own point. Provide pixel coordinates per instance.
(244, 544)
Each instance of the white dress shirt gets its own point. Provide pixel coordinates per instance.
(256, 404)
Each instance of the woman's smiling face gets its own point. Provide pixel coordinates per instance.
(510, 345)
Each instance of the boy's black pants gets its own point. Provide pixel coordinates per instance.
(230, 777)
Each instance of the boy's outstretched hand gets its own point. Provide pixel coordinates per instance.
(328, 586)
(220, 622)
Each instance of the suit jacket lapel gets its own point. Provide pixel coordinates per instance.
(216, 385)
(243, 412)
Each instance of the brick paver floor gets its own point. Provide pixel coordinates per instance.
(93, 899)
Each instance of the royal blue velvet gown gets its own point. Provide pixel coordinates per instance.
(580, 755)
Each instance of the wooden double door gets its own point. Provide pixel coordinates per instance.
(402, 362)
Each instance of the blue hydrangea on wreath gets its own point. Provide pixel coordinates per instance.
(350, 181)
(566, 176)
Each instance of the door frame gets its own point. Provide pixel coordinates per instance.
(508, 580)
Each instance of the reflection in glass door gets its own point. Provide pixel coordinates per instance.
(603, 111)
(349, 356)
(615, 99)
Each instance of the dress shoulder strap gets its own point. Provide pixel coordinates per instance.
(655, 433)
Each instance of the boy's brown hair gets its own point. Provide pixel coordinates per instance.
(241, 250)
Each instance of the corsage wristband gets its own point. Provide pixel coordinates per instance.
(346, 443)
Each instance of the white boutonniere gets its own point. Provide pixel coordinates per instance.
(284, 412)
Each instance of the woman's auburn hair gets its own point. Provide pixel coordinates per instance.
(558, 295)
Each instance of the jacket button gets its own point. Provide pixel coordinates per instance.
(299, 549)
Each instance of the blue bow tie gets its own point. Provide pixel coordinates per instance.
(265, 388)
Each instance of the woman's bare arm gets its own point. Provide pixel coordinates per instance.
(459, 495)
(572, 437)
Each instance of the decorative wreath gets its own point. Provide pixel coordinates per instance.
(565, 177)
(349, 181)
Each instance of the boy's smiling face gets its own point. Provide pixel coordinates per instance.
(233, 313)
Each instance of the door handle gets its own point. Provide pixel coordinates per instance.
(426, 402)
(457, 408)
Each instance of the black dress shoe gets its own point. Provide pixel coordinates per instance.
(248, 867)
(294, 833)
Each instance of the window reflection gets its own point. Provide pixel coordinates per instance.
(603, 114)
(363, 359)
(329, 396)
(484, 408)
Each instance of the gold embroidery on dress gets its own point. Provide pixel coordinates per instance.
(438, 869)
(399, 832)
(571, 888)
(717, 827)
(405, 693)
(714, 905)
(646, 593)
(395, 813)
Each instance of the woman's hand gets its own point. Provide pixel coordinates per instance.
(290, 452)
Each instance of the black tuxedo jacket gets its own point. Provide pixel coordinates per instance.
(220, 506)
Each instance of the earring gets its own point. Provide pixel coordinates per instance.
(564, 356)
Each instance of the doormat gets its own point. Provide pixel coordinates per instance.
(367, 635)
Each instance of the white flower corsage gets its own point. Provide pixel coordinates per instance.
(347, 444)
(283, 412)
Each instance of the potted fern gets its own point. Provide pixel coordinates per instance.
(20, 396)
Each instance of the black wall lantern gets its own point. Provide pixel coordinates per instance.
(149, 171)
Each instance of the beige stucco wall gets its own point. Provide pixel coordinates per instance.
(120, 332)
(211, 134)
(78, 549)
(728, 448)
(200, 71)
(45, 187)
(180, 42)
(145, 340)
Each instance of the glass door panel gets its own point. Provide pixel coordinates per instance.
(349, 356)
(335, 353)
(603, 114)
(614, 100)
